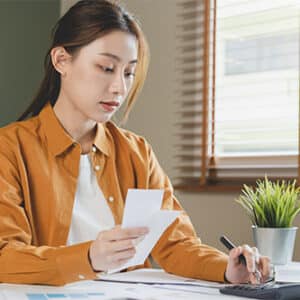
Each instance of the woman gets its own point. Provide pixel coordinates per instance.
(66, 168)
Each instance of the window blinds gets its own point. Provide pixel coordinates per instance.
(194, 40)
(238, 99)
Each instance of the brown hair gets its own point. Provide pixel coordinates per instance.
(84, 22)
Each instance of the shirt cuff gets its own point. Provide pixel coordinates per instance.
(218, 269)
(73, 263)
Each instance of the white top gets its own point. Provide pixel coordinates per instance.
(91, 213)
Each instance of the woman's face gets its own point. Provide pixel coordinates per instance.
(98, 79)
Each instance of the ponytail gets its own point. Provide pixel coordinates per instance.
(48, 91)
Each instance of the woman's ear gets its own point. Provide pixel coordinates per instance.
(60, 59)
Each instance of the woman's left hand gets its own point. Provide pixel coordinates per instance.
(257, 269)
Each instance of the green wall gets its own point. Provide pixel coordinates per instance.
(25, 27)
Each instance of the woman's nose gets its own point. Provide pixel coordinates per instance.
(118, 86)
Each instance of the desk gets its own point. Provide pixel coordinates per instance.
(92, 290)
(103, 290)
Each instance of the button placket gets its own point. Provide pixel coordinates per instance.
(97, 160)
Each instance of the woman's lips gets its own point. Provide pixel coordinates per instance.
(109, 106)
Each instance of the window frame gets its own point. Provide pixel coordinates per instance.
(208, 178)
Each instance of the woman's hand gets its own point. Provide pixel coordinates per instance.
(257, 269)
(114, 247)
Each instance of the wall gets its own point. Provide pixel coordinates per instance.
(154, 115)
(25, 31)
(212, 214)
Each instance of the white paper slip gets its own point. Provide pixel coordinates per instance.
(157, 224)
(143, 208)
(288, 273)
(140, 205)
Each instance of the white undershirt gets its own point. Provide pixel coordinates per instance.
(91, 213)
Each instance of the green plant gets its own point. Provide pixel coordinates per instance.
(271, 204)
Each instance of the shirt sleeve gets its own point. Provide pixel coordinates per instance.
(179, 250)
(20, 261)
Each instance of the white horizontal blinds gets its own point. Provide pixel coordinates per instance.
(257, 90)
(193, 36)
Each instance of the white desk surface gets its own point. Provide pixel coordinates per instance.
(106, 291)
(103, 290)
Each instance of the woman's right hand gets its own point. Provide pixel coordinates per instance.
(114, 247)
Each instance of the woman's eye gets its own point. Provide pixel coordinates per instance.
(107, 69)
(129, 74)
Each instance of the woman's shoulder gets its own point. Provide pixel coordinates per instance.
(19, 129)
(126, 136)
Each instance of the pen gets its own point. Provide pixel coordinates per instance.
(242, 260)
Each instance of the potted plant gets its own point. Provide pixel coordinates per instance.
(272, 208)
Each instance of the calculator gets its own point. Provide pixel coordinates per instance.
(270, 291)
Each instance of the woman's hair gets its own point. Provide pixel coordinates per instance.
(84, 22)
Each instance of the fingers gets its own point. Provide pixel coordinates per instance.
(114, 247)
(254, 278)
(119, 233)
(256, 255)
(265, 267)
(256, 270)
(258, 266)
(251, 256)
(234, 254)
(119, 258)
(123, 255)
(123, 245)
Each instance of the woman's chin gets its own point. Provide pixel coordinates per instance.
(103, 118)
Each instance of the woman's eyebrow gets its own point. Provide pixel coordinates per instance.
(117, 58)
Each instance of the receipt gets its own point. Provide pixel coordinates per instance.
(143, 208)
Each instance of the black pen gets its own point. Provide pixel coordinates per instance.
(229, 245)
(242, 260)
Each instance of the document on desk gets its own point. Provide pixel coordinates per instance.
(143, 208)
(85, 290)
(99, 290)
(158, 277)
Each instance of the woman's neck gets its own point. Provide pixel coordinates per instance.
(82, 130)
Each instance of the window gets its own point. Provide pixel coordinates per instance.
(239, 93)
(244, 55)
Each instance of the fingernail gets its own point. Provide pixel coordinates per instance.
(138, 240)
(258, 276)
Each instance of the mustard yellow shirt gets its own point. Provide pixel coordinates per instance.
(39, 165)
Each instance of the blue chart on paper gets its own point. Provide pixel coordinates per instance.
(64, 296)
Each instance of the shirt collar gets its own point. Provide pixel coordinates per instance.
(102, 141)
(59, 140)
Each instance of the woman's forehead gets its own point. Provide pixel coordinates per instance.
(116, 44)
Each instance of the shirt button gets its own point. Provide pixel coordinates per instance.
(97, 168)
(94, 149)
(111, 199)
(80, 276)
